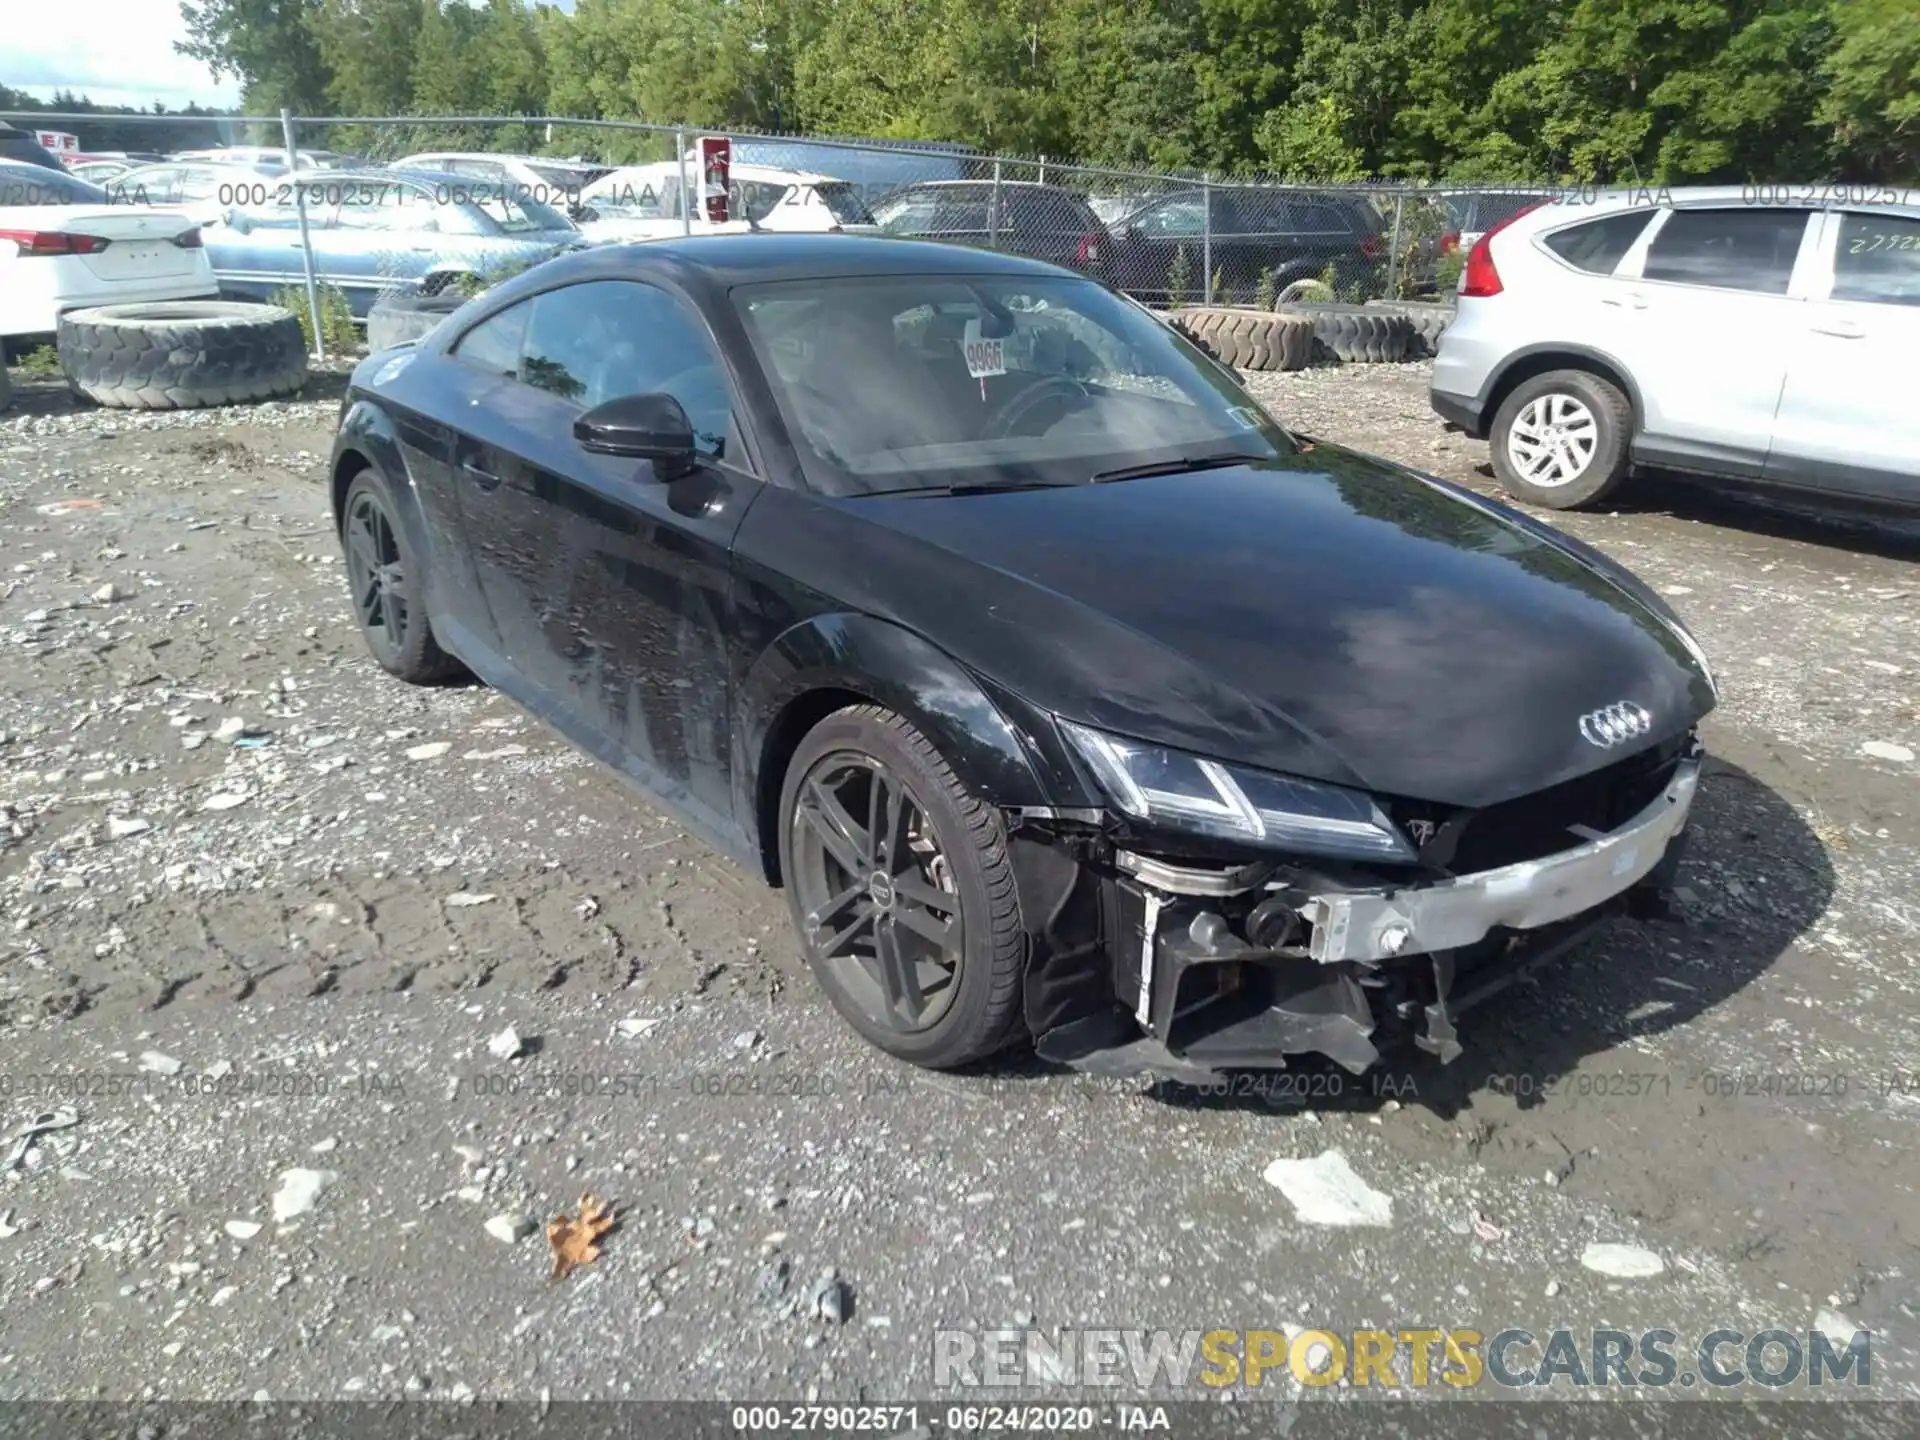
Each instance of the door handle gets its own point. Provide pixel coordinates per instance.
(1843, 329)
(479, 474)
(1628, 302)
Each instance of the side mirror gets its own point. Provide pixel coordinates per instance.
(642, 427)
(237, 220)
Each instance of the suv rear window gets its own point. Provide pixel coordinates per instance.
(1745, 249)
(1600, 245)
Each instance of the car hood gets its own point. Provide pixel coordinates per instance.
(1328, 615)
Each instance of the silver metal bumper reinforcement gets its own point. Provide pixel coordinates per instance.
(1383, 923)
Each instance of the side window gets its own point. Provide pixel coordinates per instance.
(1878, 259)
(381, 207)
(597, 341)
(1174, 217)
(494, 344)
(199, 183)
(1744, 249)
(1598, 246)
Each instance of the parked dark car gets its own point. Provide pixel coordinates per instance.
(1257, 231)
(20, 147)
(1067, 693)
(1021, 217)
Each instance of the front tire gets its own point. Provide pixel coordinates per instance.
(1561, 440)
(388, 586)
(901, 889)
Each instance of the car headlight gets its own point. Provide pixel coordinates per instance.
(1228, 802)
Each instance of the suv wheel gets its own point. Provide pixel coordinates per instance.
(901, 887)
(1560, 439)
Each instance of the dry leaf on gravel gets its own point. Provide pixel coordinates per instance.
(575, 1240)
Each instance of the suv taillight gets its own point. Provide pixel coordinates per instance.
(1372, 246)
(190, 239)
(1450, 242)
(1482, 277)
(54, 242)
(1089, 251)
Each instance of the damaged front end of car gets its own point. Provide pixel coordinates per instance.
(1347, 926)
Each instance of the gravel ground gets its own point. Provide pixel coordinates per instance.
(267, 911)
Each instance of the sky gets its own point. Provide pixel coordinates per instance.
(96, 47)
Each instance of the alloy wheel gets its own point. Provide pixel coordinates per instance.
(1552, 440)
(381, 599)
(879, 907)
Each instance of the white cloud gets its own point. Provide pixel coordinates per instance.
(115, 52)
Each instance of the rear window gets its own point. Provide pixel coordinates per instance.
(1600, 245)
(843, 203)
(1480, 210)
(929, 212)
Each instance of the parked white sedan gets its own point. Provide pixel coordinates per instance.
(65, 246)
(642, 202)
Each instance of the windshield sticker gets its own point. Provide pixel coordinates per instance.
(985, 357)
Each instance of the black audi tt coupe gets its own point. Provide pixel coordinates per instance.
(1070, 696)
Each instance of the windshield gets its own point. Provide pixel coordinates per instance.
(903, 383)
(515, 213)
(635, 196)
(843, 202)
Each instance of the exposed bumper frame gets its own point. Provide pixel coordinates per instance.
(1387, 923)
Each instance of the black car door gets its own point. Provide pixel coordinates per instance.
(611, 587)
(452, 467)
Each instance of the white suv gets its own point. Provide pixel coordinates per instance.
(1763, 333)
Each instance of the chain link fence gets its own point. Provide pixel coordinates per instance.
(379, 206)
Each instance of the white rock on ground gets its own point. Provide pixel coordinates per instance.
(1623, 1262)
(298, 1191)
(1325, 1191)
(433, 750)
(506, 1045)
(510, 1229)
(158, 1064)
(1836, 1327)
(1886, 750)
(243, 1229)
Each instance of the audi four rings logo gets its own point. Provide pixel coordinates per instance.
(1610, 725)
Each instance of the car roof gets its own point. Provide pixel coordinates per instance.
(773, 255)
(1570, 205)
(987, 184)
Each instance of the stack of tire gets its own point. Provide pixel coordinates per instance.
(181, 354)
(1248, 339)
(1429, 319)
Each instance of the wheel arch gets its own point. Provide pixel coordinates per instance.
(367, 441)
(1524, 365)
(828, 662)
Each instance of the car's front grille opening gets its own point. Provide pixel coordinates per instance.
(1544, 823)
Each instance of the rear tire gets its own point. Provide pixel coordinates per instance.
(182, 354)
(861, 895)
(1562, 440)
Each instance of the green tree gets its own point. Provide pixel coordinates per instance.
(270, 46)
(1871, 103)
